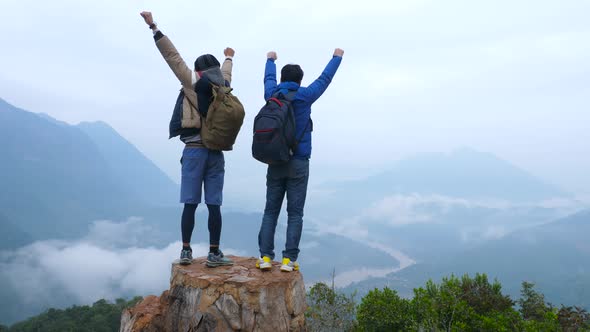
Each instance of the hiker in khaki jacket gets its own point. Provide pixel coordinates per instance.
(200, 166)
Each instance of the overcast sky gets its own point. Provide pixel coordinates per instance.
(507, 77)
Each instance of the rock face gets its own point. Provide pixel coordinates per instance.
(228, 298)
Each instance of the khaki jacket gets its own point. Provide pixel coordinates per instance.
(191, 117)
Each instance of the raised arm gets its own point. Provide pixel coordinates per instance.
(319, 86)
(270, 75)
(228, 64)
(184, 74)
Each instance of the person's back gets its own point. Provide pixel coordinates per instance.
(291, 178)
(200, 166)
(291, 77)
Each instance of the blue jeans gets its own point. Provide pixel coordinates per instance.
(290, 178)
(202, 167)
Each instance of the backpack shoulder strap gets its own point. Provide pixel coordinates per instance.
(290, 96)
(189, 101)
(219, 95)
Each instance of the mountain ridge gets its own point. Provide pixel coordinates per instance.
(56, 179)
(463, 173)
(131, 167)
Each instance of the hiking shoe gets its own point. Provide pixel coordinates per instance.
(214, 260)
(289, 266)
(264, 263)
(186, 256)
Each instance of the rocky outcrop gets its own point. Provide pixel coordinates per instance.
(230, 298)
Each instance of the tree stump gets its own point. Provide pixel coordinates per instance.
(228, 298)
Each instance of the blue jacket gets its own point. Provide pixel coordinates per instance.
(304, 98)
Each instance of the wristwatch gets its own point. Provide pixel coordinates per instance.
(153, 25)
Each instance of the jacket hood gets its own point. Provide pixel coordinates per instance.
(286, 86)
(214, 75)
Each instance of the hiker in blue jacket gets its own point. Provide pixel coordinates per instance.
(290, 178)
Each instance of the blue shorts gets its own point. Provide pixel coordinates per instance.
(202, 167)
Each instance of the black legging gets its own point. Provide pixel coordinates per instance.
(188, 223)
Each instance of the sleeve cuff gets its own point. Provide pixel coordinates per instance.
(158, 34)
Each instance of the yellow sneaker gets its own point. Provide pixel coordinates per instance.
(289, 266)
(264, 263)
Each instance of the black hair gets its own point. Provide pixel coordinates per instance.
(205, 62)
(292, 73)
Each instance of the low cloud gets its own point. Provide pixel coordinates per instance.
(123, 234)
(397, 210)
(402, 210)
(57, 273)
(494, 232)
(491, 232)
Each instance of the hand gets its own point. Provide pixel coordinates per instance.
(338, 52)
(229, 52)
(271, 55)
(147, 17)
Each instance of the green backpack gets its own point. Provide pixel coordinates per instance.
(224, 120)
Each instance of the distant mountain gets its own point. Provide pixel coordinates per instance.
(52, 120)
(130, 167)
(55, 178)
(438, 204)
(464, 173)
(555, 256)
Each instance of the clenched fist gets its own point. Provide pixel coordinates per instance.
(147, 17)
(338, 52)
(271, 55)
(229, 52)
